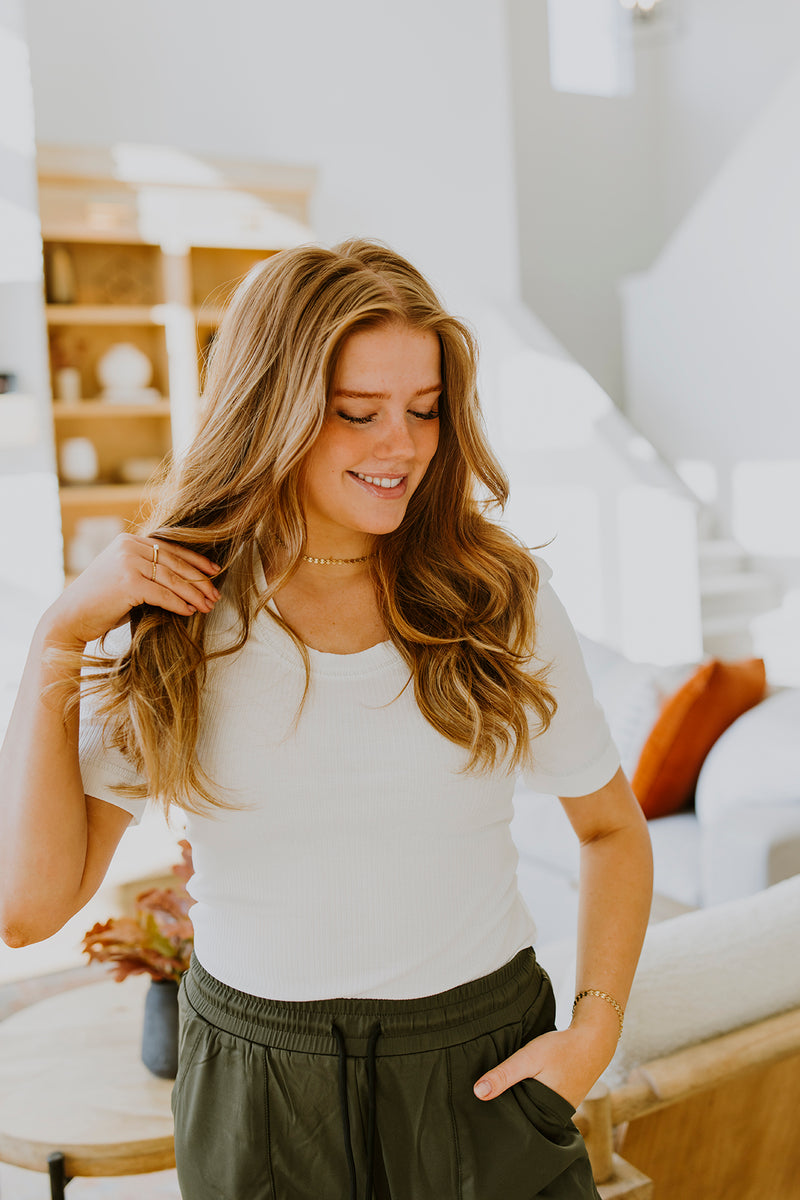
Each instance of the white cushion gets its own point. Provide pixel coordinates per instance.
(631, 695)
(700, 975)
(751, 849)
(545, 839)
(677, 850)
(755, 761)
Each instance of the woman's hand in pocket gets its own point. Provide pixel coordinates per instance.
(569, 1062)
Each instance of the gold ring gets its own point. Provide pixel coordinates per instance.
(155, 563)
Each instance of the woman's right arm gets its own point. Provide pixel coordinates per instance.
(55, 842)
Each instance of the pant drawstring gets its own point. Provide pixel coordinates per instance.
(374, 1034)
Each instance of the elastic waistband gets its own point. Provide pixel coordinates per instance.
(407, 1026)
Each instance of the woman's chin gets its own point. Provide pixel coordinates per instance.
(382, 523)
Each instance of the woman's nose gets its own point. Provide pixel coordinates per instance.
(395, 440)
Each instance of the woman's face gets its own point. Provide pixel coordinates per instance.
(380, 433)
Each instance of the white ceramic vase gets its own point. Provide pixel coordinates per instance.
(124, 372)
(77, 460)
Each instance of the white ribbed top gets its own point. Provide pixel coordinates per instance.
(360, 861)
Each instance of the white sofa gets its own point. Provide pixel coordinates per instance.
(742, 835)
(701, 1094)
(710, 1051)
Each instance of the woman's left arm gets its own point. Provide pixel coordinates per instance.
(616, 887)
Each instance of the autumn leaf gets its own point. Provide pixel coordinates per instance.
(157, 940)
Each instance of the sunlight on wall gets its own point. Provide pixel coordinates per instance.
(140, 163)
(766, 506)
(591, 47)
(215, 216)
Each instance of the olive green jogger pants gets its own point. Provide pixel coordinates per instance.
(363, 1099)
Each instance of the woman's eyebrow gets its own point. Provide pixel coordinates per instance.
(349, 394)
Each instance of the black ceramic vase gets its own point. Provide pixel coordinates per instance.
(160, 1029)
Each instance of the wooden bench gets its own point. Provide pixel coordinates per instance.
(713, 1121)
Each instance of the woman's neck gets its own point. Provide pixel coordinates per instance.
(326, 570)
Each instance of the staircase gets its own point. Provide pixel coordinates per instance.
(732, 594)
(638, 558)
(710, 338)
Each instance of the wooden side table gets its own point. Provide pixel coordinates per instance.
(75, 1097)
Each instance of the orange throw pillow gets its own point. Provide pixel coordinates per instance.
(688, 725)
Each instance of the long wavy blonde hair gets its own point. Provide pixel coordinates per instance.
(456, 592)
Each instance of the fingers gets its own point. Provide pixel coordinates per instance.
(177, 573)
(504, 1076)
(191, 557)
(161, 596)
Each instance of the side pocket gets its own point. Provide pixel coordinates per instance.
(543, 1106)
(190, 1032)
(551, 1104)
(540, 1016)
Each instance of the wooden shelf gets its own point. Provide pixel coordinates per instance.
(104, 410)
(101, 495)
(107, 281)
(208, 315)
(105, 314)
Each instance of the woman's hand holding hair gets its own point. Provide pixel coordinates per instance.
(133, 570)
(55, 842)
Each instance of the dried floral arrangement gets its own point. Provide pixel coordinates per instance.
(157, 940)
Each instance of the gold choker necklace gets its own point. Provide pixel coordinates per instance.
(335, 562)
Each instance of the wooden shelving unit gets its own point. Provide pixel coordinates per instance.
(98, 314)
(145, 258)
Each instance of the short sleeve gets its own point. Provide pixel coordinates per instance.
(576, 754)
(101, 765)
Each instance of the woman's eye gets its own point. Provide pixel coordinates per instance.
(421, 416)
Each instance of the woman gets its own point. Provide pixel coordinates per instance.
(337, 665)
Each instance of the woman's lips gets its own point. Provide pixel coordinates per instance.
(384, 493)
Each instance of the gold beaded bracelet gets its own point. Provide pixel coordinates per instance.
(602, 996)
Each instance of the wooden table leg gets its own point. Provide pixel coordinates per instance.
(58, 1176)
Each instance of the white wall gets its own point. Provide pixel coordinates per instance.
(588, 196)
(28, 493)
(619, 528)
(603, 183)
(713, 341)
(727, 60)
(404, 108)
(21, 319)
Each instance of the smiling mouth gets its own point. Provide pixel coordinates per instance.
(387, 486)
(384, 481)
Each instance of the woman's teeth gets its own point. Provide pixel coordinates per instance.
(384, 483)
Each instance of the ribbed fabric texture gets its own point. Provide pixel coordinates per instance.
(361, 861)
